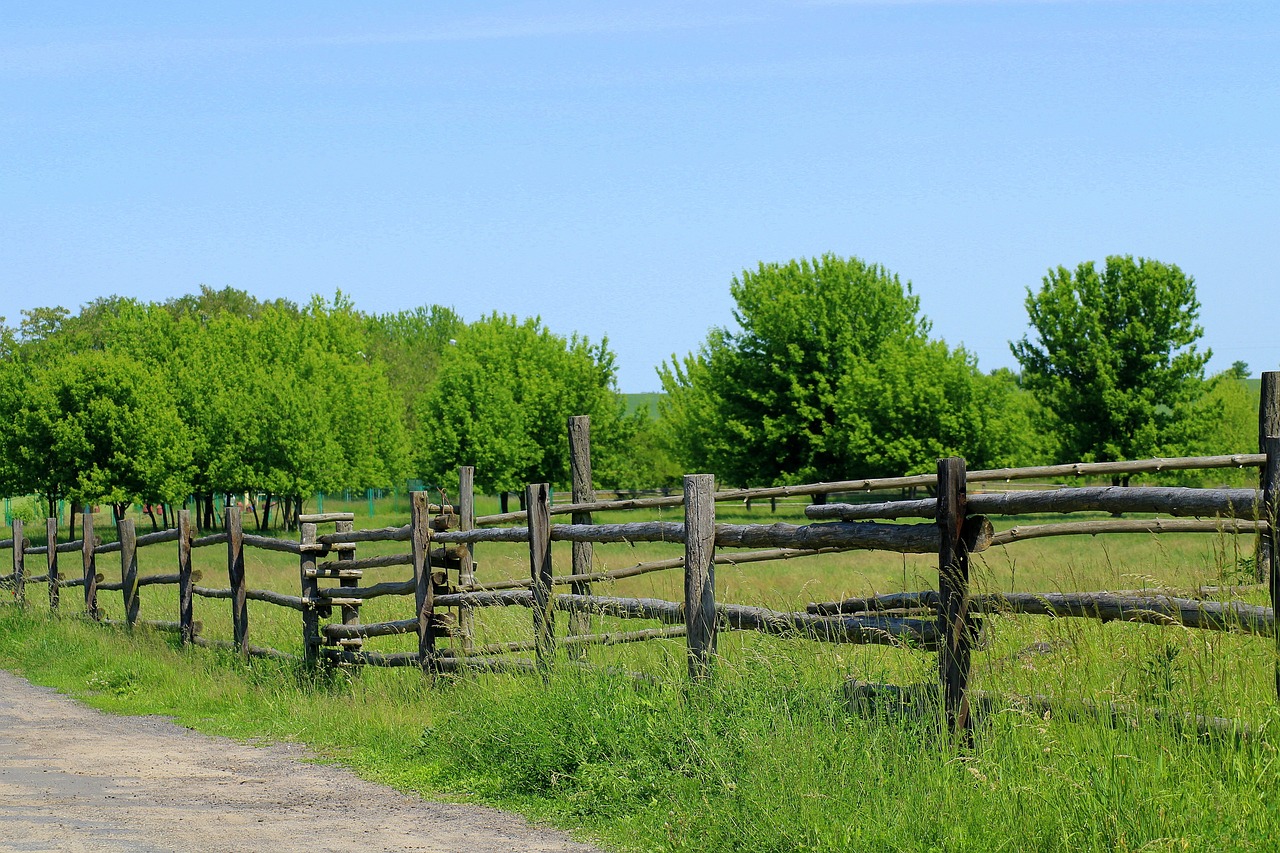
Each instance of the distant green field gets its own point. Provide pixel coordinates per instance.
(647, 401)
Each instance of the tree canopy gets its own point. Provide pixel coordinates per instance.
(830, 373)
(1112, 356)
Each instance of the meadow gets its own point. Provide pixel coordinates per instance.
(767, 756)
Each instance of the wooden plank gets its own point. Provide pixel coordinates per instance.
(424, 591)
(464, 555)
(700, 572)
(583, 492)
(953, 595)
(51, 555)
(325, 517)
(186, 620)
(537, 502)
(89, 562)
(310, 592)
(19, 562)
(129, 570)
(236, 578)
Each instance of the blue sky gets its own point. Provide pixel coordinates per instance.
(611, 166)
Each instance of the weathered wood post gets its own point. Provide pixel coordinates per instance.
(51, 539)
(186, 620)
(424, 592)
(537, 502)
(953, 594)
(310, 593)
(1269, 477)
(19, 563)
(700, 572)
(89, 560)
(347, 551)
(466, 562)
(129, 570)
(583, 492)
(235, 575)
(1268, 555)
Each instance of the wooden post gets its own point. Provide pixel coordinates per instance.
(89, 560)
(953, 594)
(1268, 554)
(310, 594)
(129, 570)
(19, 563)
(1269, 478)
(186, 620)
(700, 572)
(466, 562)
(537, 500)
(583, 492)
(51, 540)
(424, 594)
(235, 575)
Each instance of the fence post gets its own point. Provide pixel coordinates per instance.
(700, 572)
(90, 562)
(1268, 553)
(1269, 477)
(424, 593)
(235, 575)
(51, 539)
(537, 501)
(953, 594)
(186, 622)
(129, 570)
(466, 563)
(310, 593)
(583, 492)
(19, 563)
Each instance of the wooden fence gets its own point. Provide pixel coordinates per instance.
(441, 540)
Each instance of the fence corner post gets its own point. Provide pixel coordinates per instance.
(466, 560)
(424, 592)
(953, 595)
(129, 570)
(700, 572)
(537, 504)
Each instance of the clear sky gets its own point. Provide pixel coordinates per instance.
(611, 166)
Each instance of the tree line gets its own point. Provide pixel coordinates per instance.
(828, 371)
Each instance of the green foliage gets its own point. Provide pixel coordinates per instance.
(410, 344)
(830, 373)
(502, 402)
(1113, 357)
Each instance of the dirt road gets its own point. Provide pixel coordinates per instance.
(73, 779)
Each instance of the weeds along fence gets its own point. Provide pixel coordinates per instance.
(441, 539)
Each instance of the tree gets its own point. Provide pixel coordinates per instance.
(1113, 357)
(830, 372)
(503, 397)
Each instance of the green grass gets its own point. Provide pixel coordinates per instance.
(766, 757)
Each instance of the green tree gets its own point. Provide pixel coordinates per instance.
(502, 400)
(410, 344)
(1113, 357)
(829, 373)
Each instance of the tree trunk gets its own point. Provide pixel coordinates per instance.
(71, 524)
(266, 513)
(118, 510)
(503, 501)
(151, 513)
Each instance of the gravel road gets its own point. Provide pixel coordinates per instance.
(73, 779)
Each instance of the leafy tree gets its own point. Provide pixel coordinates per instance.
(1113, 357)
(829, 373)
(502, 400)
(410, 344)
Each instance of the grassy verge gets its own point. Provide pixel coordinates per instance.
(766, 759)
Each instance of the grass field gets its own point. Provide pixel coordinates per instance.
(767, 757)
